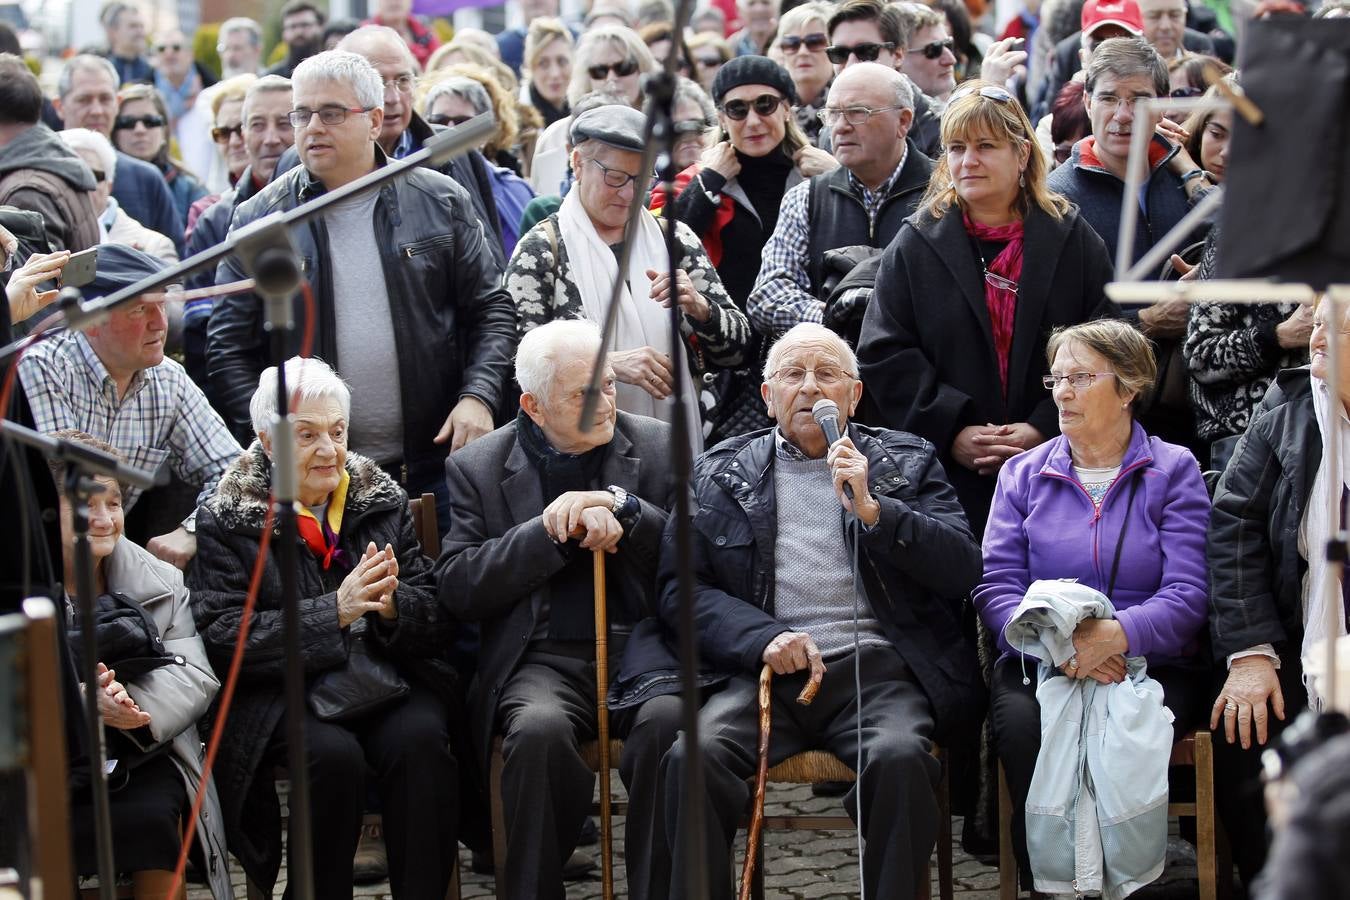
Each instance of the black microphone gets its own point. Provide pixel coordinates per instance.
(826, 413)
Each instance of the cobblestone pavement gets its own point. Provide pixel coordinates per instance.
(800, 865)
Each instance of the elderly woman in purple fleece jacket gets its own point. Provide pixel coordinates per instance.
(1114, 509)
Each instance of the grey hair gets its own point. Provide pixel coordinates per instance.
(343, 67)
(83, 139)
(380, 35)
(241, 23)
(871, 71)
(799, 16)
(461, 86)
(66, 83)
(685, 89)
(307, 378)
(625, 38)
(1124, 57)
(267, 84)
(809, 331)
(546, 346)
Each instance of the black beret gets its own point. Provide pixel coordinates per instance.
(615, 125)
(119, 266)
(752, 70)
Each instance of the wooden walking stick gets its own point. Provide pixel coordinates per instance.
(602, 726)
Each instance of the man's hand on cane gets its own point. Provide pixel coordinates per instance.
(793, 651)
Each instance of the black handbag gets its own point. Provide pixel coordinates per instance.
(368, 683)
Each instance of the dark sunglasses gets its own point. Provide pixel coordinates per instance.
(764, 105)
(1182, 93)
(222, 134)
(452, 121)
(868, 52)
(126, 123)
(100, 176)
(621, 69)
(933, 49)
(814, 42)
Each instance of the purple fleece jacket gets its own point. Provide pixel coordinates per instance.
(1043, 525)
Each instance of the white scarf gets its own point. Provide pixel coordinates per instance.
(641, 322)
(1318, 526)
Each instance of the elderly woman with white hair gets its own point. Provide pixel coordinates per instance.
(115, 226)
(373, 639)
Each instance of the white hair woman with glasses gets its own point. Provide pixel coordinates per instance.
(954, 348)
(378, 687)
(565, 268)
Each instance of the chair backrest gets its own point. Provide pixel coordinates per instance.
(423, 510)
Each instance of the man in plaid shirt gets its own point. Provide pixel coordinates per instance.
(114, 383)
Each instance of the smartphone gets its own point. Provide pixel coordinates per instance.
(79, 269)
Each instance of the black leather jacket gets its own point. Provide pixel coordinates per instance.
(455, 328)
(917, 564)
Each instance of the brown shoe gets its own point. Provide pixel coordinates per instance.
(371, 863)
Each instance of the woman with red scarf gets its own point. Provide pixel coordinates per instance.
(953, 343)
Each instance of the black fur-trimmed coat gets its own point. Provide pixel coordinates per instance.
(229, 527)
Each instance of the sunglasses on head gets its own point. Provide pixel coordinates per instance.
(222, 135)
(989, 92)
(452, 121)
(933, 49)
(126, 123)
(815, 42)
(763, 105)
(868, 52)
(621, 69)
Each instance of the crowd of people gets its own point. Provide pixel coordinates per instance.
(880, 205)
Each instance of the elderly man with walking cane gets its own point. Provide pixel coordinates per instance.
(531, 504)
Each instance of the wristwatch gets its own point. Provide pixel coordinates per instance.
(620, 499)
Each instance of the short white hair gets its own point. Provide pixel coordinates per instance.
(307, 378)
(547, 346)
(241, 23)
(809, 331)
(268, 84)
(79, 139)
(342, 67)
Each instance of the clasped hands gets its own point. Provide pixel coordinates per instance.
(585, 516)
(115, 705)
(1099, 647)
(985, 448)
(369, 586)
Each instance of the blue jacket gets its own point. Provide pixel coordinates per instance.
(1043, 525)
(141, 191)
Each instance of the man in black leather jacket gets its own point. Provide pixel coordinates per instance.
(407, 305)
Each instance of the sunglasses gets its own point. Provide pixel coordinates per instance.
(763, 105)
(621, 69)
(161, 48)
(989, 92)
(126, 123)
(708, 62)
(1182, 93)
(222, 135)
(814, 42)
(868, 52)
(691, 126)
(452, 121)
(933, 49)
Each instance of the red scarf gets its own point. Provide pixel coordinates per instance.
(1002, 303)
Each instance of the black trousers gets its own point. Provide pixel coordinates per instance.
(546, 710)
(417, 779)
(899, 776)
(1017, 728)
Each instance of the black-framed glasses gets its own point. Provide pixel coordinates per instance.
(621, 69)
(988, 92)
(221, 134)
(1079, 381)
(815, 42)
(853, 115)
(1183, 93)
(403, 83)
(615, 178)
(126, 123)
(933, 49)
(328, 115)
(451, 121)
(763, 105)
(866, 52)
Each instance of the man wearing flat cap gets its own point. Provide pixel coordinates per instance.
(565, 268)
(114, 382)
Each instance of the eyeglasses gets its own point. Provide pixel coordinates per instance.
(1079, 381)
(621, 69)
(160, 48)
(451, 121)
(989, 92)
(691, 127)
(795, 376)
(815, 42)
(615, 178)
(868, 52)
(1182, 93)
(403, 84)
(997, 281)
(853, 115)
(763, 105)
(126, 123)
(222, 135)
(328, 115)
(100, 176)
(933, 49)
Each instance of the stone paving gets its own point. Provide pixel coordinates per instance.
(803, 865)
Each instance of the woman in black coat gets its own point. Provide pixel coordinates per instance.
(359, 571)
(953, 343)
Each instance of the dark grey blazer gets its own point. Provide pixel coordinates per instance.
(497, 559)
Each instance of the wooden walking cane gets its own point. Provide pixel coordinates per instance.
(602, 726)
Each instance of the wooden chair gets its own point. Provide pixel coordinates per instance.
(1214, 867)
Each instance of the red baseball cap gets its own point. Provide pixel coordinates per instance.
(1121, 13)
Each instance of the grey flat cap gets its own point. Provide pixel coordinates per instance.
(618, 126)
